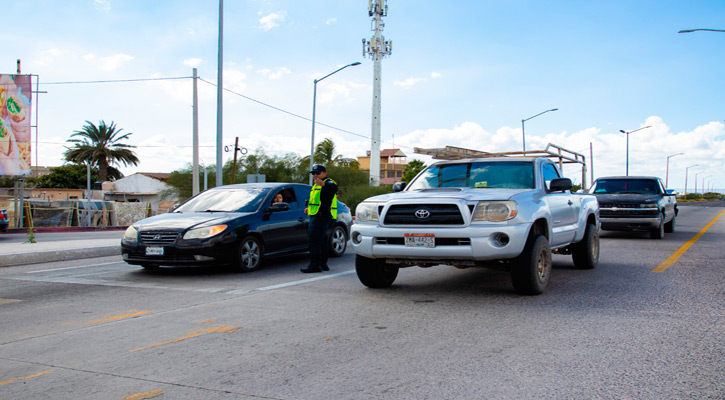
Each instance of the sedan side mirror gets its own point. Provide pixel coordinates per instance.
(560, 185)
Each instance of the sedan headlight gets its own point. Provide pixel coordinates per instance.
(366, 212)
(495, 211)
(131, 235)
(205, 232)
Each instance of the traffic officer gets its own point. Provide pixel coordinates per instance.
(322, 209)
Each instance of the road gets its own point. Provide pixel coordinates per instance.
(100, 329)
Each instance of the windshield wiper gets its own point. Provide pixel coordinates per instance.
(213, 211)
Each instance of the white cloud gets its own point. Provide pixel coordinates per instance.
(103, 5)
(281, 71)
(47, 57)
(109, 63)
(410, 82)
(271, 21)
(331, 21)
(435, 75)
(193, 62)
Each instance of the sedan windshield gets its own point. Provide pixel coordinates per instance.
(225, 200)
(511, 175)
(624, 186)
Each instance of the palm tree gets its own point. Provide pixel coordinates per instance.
(98, 145)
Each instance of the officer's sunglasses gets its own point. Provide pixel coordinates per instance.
(316, 173)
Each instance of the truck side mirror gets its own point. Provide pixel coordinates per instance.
(560, 184)
(399, 186)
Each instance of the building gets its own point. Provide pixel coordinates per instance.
(392, 164)
(148, 187)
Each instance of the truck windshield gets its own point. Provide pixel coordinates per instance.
(492, 174)
(624, 186)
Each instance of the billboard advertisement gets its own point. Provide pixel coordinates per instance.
(15, 108)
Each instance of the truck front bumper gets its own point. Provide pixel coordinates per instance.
(454, 246)
(630, 223)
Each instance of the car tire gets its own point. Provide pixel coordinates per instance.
(531, 270)
(659, 232)
(670, 226)
(249, 255)
(374, 272)
(338, 241)
(585, 253)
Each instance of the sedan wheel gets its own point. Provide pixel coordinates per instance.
(249, 255)
(338, 241)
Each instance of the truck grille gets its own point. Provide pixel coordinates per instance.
(429, 214)
(623, 210)
(158, 238)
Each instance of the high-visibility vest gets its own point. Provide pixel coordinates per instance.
(314, 205)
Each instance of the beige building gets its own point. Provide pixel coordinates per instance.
(392, 164)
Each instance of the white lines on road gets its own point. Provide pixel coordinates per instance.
(62, 269)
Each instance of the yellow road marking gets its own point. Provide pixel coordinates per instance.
(676, 255)
(8, 301)
(22, 378)
(119, 317)
(208, 321)
(144, 396)
(190, 335)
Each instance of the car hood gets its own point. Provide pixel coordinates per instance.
(467, 194)
(628, 198)
(183, 221)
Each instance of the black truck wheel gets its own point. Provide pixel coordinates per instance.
(659, 232)
(531, 270)
(375, 273)
(586, 252)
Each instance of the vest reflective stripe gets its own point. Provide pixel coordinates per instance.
(314, 204)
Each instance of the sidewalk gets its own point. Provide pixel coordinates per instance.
(58, 245)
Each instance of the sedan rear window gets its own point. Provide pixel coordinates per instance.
(225, 200)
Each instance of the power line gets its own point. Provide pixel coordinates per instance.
(115, 81)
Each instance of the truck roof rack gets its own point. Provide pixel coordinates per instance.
(560, 154)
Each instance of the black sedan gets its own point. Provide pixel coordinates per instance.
(237, 225)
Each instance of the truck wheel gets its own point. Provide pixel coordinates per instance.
(659, 232)
(338, 241)
(586, 253)
(531, 270)
(249, 255)
(375, 273)
(670, 226)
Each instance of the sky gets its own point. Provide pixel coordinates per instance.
(461, 73)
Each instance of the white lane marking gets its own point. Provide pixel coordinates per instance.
(302, 281)
(62, 269)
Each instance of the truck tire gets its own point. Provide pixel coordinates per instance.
(585, 253)
(531, 270)
(659, 232)
(670, 226)
(374, 272)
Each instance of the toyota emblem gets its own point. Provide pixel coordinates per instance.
(422, 213)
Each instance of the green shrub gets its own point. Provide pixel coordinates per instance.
(355, 194)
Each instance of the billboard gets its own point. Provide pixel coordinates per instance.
(15, 108)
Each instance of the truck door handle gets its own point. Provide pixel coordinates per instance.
(569, 202)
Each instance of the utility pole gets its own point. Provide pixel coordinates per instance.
(219, 101)
(195, 139)
(377, 48)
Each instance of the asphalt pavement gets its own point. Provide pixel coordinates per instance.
(60, 244)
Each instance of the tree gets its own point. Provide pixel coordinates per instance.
(73, 176)
(325, 155)
(100, 146)
(412, 169)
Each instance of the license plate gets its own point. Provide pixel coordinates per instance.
(154, 251)
(420, 240)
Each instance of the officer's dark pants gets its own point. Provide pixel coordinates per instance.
(319, 243)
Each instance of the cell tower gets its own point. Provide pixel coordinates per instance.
(377, 48)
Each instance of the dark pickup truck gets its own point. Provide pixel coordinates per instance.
(635, 203)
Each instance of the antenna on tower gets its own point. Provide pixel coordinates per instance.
(377, 48)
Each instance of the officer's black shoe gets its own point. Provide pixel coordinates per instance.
(310, 270)
(325, 268)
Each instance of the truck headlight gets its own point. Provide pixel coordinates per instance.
(131, 235)
(495, 211)
(204, 233)
(648, 205)
(366, 212)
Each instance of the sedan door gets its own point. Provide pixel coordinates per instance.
(284, 230)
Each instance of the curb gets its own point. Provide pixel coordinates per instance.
(14, 259)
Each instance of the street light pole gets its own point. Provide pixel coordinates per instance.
(314, 102)
(667, 170)
(695, 30)
(523, 132)
(694, 165)
(627, 133)
(703, 184)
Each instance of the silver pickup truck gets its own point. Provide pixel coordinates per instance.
(502, 212)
